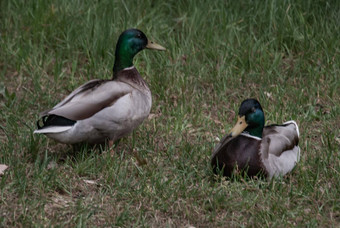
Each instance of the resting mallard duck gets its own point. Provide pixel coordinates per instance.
(257, 149)
(103, 110)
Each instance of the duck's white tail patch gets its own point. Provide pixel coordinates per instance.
(297, 127)
(54, 129)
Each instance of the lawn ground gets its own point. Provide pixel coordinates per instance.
(284, 53)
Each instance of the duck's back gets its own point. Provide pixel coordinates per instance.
(279, 148)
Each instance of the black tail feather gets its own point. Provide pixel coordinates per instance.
(54, 120)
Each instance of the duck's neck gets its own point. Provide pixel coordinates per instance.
(255, 131)
(255, 122)
(123, 59)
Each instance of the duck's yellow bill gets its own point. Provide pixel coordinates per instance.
(152, 45)
(239, 126)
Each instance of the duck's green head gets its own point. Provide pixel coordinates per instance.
(131, 42)
(250, 119)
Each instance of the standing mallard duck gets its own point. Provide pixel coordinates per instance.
(257, 149)
(103, 110)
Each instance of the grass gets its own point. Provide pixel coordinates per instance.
(284, 53)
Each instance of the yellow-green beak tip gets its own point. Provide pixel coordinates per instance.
(239, 126)
(153, 45)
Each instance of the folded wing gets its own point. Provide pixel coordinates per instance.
(279, 148)
(89, 99)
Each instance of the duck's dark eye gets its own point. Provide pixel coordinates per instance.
(139, 36)
(253, 109)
